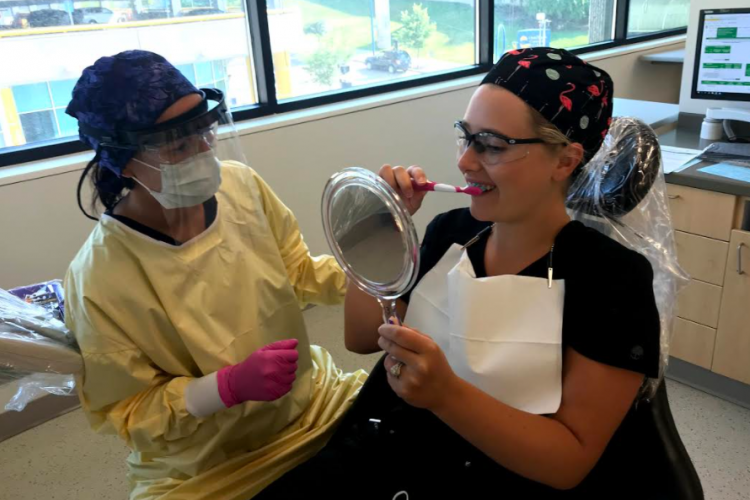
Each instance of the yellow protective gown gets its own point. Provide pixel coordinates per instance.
(150, 317)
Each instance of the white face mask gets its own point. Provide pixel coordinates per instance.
(188, 183)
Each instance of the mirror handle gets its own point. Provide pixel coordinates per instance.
(389, 311)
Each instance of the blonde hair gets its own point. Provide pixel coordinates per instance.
(552, 136)
(546, 131)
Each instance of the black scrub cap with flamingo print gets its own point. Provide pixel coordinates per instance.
(574, 96)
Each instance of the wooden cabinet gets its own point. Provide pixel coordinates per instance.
(693, 343)
(700, 212)
(700, 302)
(732, 352)
(712, 328)
(704, 259)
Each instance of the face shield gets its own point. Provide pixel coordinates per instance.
(181, 162)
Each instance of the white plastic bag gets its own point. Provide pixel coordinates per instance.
(37, 350)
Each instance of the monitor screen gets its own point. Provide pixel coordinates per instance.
(722, 59)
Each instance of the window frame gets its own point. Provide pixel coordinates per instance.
(265, 82)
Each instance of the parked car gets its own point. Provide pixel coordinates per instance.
(202, 12)
(147, 15)
(49, 17)
(390, 61)
(93, 15)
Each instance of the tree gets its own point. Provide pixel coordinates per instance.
(318, 29)
(327, 58)
(416, 27)
(322, 65)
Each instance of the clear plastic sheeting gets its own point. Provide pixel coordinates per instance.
(35, 346)
(622, 193)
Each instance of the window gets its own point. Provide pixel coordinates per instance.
(206, 39)
(282, 55)
(649, 16)
(41, 110)
(210, 74)
(562, 24)
(325, 45)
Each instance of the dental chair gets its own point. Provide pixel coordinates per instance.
(622, 193)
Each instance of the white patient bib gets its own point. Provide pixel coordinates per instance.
(502, 334)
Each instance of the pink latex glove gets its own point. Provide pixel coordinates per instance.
(266, 375)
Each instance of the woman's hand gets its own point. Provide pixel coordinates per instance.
(266, 375)
(399, 178)
(426, 379)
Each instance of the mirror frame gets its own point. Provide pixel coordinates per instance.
(360, 177)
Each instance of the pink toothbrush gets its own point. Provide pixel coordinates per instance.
(445, 188)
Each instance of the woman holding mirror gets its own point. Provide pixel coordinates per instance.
(527, 337)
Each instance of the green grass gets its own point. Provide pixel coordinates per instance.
(344, 29)
(348, 22)
(568, 39)
(560, 39)
(454, 20)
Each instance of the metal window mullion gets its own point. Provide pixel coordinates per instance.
(622, 11)
(54, 111)
(485, 32)
(260, 46)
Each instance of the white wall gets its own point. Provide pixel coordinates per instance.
(687, 103)
(41, 228)
(636, 79)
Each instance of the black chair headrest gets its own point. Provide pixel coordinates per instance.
(620, 174)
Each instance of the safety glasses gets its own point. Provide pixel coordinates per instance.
(492, 149)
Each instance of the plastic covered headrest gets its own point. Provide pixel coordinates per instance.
(622, 193)
(620, 174)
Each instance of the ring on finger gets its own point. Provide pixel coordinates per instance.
(396, 369)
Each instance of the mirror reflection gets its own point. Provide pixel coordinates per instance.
(368, 234)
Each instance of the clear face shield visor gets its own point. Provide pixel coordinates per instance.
(195, 132)
(184, 155)
(182, 163)
(176, 148)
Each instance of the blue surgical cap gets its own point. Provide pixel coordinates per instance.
(128, 91)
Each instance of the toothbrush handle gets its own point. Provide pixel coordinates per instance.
(445, 188)
(428, 186)
(434, 186)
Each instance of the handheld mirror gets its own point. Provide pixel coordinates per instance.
(371, 235)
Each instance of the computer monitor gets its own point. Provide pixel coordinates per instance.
(722, 59)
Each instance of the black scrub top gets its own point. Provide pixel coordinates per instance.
(609, 312)
(385, 447)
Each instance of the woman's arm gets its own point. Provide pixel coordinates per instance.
(559, 450)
